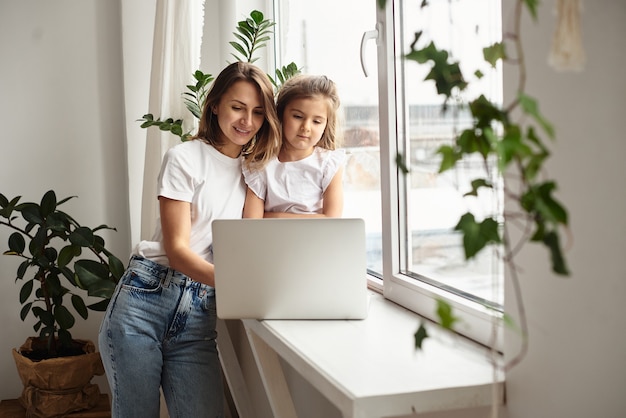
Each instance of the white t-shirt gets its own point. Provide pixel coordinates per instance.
(296, 186)
(196, 172)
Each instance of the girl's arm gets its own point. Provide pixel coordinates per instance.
(333, 196)
(254, 206)
(176, 228)
(332, 203)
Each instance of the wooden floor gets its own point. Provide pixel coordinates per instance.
(11, 408)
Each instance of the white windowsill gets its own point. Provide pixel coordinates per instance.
(370, 368)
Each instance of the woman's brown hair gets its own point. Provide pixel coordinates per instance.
(266, 143)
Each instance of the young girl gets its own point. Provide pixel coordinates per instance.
(159, 329)
(306, 179)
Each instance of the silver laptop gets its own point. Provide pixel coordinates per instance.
(290, 268)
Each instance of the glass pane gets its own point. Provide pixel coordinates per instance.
(435, 201)
(326, 43)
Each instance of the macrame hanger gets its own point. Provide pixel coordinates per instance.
(567, 53)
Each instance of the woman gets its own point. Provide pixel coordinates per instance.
(159, 328)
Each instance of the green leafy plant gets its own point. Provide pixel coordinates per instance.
(510, 140)
(51, 244)
(253, 34)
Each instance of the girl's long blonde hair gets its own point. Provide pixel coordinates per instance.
(304, 86)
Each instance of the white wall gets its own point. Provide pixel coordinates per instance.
(576, 365)
(61, 98)
(61, 112)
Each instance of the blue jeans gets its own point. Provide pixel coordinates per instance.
(159, 331)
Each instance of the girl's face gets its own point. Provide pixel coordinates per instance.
(304, 121)
(240, 115)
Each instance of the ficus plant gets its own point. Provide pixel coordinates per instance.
(62, 261)
(253, 34)
(510, 140)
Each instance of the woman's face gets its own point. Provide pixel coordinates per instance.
(240, 114)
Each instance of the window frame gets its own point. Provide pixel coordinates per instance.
(476, 321)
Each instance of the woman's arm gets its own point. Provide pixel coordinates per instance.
(254, 206)
(176, 227)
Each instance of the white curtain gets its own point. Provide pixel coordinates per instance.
(176, 55)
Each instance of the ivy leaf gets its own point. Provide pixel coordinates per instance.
(551, 240)
(530, 107)
(446, 315)
(477, 184)
(449, 157)
(477, 235)
(400, 163)
(532, 7)
(494, 53)
(420, 335)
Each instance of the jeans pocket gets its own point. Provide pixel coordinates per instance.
(136, 280)
(207, 303)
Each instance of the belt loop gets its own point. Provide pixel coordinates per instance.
(168, 277)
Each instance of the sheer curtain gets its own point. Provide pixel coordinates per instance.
(176, 55)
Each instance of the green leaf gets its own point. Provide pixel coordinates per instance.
(477, 235)
(510, 323)
(257, 16)
(477, 184)
(79, 306)
(17, 244)
(82, 237)
(26, 291)
(48, 203)
(532, 7)
(53, 284)
(66, 255)
(45, 317)
(100, 306)
(400, 163)
(22, 268)
(63, 317)
(449, 157)
(420, 335)
(31, 213)
(116, 266)
(446, 315)
(25, 310)
(65, 338)
(530, 107)
(102, 289)
(494, 53)
(551, 240)
(90, 272)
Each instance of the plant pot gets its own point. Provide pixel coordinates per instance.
(58, 386)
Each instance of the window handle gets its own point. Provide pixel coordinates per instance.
(370, 34)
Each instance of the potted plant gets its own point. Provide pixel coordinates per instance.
(61, 261)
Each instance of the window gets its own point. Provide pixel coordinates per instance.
(413, 252)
